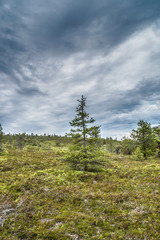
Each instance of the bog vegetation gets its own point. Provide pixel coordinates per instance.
(80, 186)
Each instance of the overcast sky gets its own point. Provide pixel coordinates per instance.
(53, 51)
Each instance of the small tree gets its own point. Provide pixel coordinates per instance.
(128, 146)
(145, 138)
(20, 140)
(1, 138)
(157, 133)
(138, 155)
(85, 151)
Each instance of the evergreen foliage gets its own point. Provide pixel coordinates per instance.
(128, 146)
(1, 138)
(157, 133)
(138, 155)
(85, 152)
(20, 141)
(145, 138)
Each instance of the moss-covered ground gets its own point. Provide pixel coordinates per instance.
(42, 198)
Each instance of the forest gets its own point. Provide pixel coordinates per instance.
(80, 186)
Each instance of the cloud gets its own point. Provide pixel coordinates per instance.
(62, 27)
(52, 52)
(29, 92)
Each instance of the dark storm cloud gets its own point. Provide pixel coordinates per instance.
(9, 49)
(30, 92)
(12, 46)
(68, 26)
(77, 25)
(71, 25)
(146, 90)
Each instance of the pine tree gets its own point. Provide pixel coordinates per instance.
(84, 153)
(157, 133)
(1, 138)
(145, 138)
(128, 145)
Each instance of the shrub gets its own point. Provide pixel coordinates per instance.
(138, 155)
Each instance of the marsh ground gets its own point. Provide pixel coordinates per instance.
(42, 198)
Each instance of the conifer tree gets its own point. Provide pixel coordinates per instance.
(84, 153)
(20, 140)
(1, 137)
(138, 155)
(145, 138)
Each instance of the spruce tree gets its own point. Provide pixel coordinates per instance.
(84, 153)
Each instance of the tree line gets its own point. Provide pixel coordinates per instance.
(85, 151)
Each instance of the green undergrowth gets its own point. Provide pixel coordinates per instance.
(42, 198)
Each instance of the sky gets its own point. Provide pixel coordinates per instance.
(52, 52)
